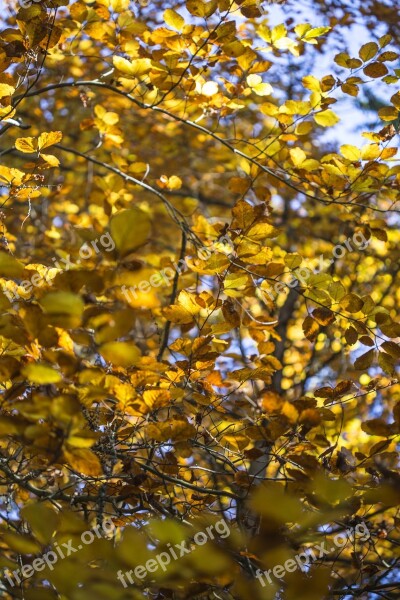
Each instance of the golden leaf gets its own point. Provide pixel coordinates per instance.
(26, 145)
(41, 373)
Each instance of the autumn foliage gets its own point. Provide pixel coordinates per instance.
(199, 296)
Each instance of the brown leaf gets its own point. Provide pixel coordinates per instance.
(365, 360)
(310, 328)
(375, 69)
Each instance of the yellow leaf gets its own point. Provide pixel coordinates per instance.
(139, 66)
(83, 461)
(140, 287)
(278, 32)
(122, 354)
(298, 156)
(271, 402)
(188, 301)
(27, 145)
(290, 412)
(253, 80)
(350, 152)
(6, 90)
(370, 152)
(174, 183)
(157, 398)
(315, 32)
(327, 118)
(311, 83)
(130, 229)
(302, 28)
(11, 176)
(51, 160)
(120, 5)
(41, 373)
(262, 89)
(303, 128)
(49, 139)
(293, 107)
(215, 264)
(234, 281)
(81, 442)
(260, 231)
(174, 19)
(111, 118)
(388, 153)
(177, 314)
(123, 65)
(286, 43)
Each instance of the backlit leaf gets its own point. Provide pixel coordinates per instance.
(130, 229)
(27, 145)
(326, 119)
(41, 374)
(121, 354)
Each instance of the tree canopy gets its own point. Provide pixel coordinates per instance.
(199, 299)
